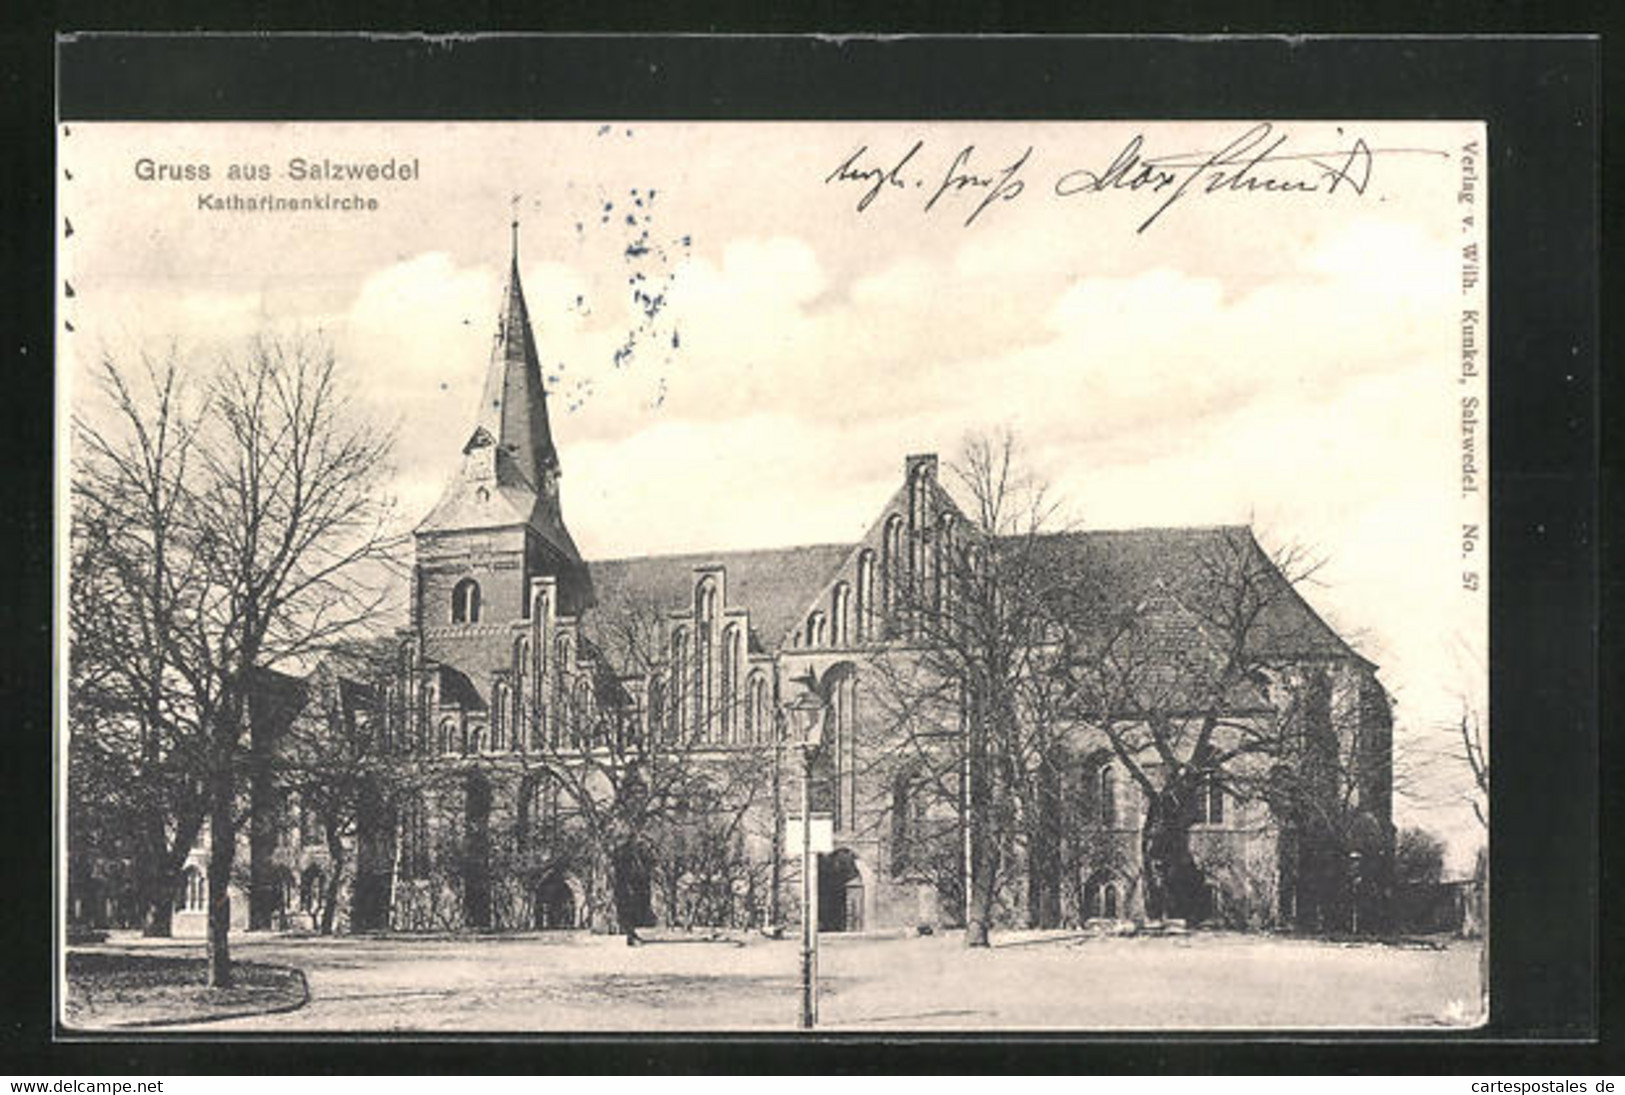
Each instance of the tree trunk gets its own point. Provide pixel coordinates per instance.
(1172, 880)
(979, 892)
(1044, 852)
(330, 899)
(160, 874)
(629, 890)
(222, 855)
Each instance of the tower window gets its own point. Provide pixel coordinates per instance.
(465, 602)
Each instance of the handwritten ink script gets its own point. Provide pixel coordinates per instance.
(973, 181)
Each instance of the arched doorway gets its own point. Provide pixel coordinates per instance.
(555, 903)
(840, 892)
(1103, 896)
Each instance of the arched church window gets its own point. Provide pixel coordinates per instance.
(866, 594)
(1106, 797)
(680, 682)
(465, 602)
(840, 614)
(519, 701)
(581, 715)
(448, 736)
(943, 571)
(730, 683)
(705, 707)
(816, 632)
(842, 731)
(892, 569)
(705, 600)
(757, 719)
(499, 721)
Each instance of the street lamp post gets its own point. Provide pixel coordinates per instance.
(809, 715)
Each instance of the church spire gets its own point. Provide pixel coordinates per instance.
(513, 409)
(510, 466)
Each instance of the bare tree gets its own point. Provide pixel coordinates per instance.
(259, 545)
(336, 758)
(967, 681)
(1206, 676)
(135, 590)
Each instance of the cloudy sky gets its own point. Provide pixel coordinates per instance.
(1284, 359)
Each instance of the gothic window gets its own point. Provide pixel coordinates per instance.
(840, 614)
(518, 702)
(892, 568)
(705, 607)
(1106, 796)
(730, 683)
(705, 600)
(944, 569)
(816, 633)
(680, 682)
(465, 602)
(841, 742)
(499, 722)
(448, 736)
(758, 719)
(866, 594)
(581, 715)
(921, 495)
(476, 739)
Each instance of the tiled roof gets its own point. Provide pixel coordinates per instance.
(1196, 566)
(1119, 568)
(774, 584)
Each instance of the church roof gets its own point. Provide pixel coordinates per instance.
(1193, 565)
(513, 406)
(510, 463)
(1177, 568)
(773, 584)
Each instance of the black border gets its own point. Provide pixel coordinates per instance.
(1541, 97)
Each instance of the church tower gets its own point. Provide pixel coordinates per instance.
(498, 524)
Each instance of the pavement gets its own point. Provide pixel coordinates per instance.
(575, 981)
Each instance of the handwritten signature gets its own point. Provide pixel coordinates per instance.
(1256, 161)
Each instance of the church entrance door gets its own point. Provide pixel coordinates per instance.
(840, 892)
(555, 904)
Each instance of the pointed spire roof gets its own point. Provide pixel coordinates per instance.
(510, 465)
(513, 408)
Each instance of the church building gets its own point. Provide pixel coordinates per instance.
(542, 703)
